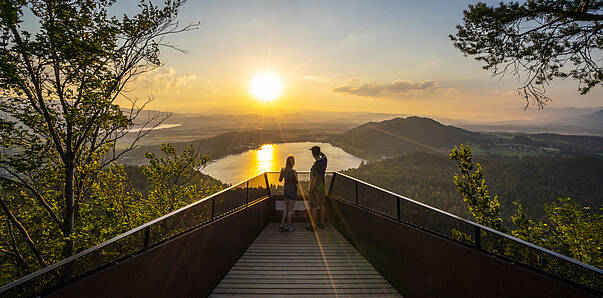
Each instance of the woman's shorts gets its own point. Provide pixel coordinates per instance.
(290, 196)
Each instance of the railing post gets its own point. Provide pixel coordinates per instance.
(331, 185)
(398, 207)
(478, 237)
(147, 237)
(213, 207)
(356, 191)
(247, 194)
(267, 184)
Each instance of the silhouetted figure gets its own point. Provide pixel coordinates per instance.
(290, 189)
(316, 191)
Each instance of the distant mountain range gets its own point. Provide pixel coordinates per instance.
(577, 121)
(584, 121)
(591, 120)
(218, 135)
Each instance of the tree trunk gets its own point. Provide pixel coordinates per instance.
(18, 257)
(68, 219)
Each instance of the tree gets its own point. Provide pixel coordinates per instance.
(115, 207)
(539, 40)
(175, 179)
(568, 228)
(472, 185)
(60, 86)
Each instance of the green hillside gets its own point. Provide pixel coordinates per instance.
(532, 181)
(375, 140)
(399, 135)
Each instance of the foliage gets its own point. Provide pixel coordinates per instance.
(534, 182)
(171, 178)
(539, 39)
(115, 205)
(421, 176)
(61, 120)
(569, 228)
(472, 186)
(531, 181)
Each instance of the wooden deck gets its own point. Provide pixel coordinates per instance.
(303, 263)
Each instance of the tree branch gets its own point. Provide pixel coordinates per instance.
(23, 232)
(36, 194)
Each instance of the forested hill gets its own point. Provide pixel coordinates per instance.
(374, 140)
(532, 181)
(399, 135)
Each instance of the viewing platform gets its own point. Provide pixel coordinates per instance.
(376, 243)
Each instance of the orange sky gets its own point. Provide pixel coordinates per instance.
(383, 56)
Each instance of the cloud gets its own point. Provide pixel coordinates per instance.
(395, 89)
(164, 79)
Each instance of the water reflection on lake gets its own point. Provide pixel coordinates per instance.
(238, 167)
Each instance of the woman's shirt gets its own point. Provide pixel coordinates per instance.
(290, 177)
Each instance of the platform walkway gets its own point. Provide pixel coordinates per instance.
(303, 263)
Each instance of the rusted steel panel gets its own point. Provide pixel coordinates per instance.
(420, 264)
(188, 266)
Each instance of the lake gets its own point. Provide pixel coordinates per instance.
(158, 127)
(271, 157)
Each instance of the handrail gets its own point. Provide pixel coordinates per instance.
(498, 233)
(117, 238)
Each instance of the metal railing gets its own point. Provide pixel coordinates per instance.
(135, 241)
(341, 187)
(402, 209)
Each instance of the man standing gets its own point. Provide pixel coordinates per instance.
(316, 191)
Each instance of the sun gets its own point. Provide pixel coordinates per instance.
(266, 87)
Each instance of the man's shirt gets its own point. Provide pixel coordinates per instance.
(317, 172)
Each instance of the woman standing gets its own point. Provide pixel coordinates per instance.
(290, 176)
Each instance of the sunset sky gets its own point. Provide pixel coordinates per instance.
(373, 56)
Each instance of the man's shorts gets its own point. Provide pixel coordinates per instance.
(317, 197)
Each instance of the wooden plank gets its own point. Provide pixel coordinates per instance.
(303, 281)
(350, 275)
(303, 263)
(296, 296)
(306, 272)
(300, 253)
(301, 248)
(304, 252)
(308, 291)
(304, 286)
(293, 257)
(304, 260)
